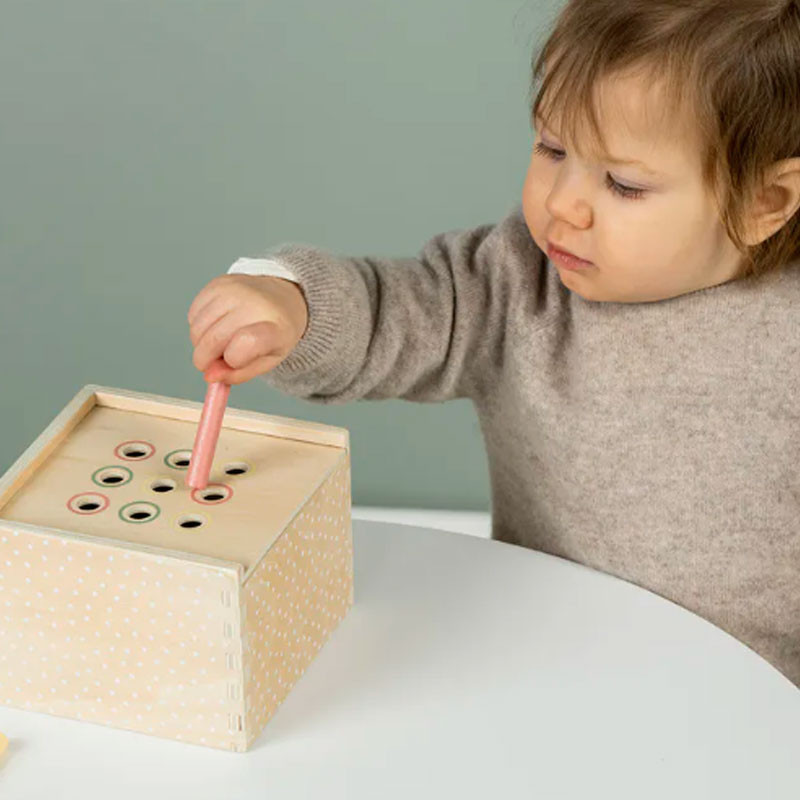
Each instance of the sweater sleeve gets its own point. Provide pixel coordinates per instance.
(428, 328)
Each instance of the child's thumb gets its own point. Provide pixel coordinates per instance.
(251, 342)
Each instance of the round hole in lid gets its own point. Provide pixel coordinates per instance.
(88, 503)
(139, 511)
(178, 459)
(191, 521)
(112, 476)
(213, 494)
(163, 485)
(134, 450)
(236, 468)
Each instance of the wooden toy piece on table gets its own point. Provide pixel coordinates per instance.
(134, 601)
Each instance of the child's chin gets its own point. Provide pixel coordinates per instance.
(572, 281)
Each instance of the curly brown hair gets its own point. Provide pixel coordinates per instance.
(730, 67)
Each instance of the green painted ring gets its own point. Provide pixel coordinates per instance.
(112, 485)
(136, 503)
(172, 453)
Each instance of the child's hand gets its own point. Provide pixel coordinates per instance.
(242, 326)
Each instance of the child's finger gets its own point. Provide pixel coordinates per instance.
(208, 315)
(252, 350)
(218, 372)
(252, 341)
(205, 296)
(214, 341)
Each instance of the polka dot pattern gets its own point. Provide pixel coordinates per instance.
(296, 596)
(157, 644)
(119, 637)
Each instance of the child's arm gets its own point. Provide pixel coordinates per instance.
(419, 328)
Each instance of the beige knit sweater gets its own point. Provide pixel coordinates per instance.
(658, 442)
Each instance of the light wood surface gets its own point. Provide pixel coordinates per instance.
(287, 461)
(180, 613)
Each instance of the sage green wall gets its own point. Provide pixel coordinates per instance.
(145, 145)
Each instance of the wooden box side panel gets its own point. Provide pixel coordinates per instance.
(296, 597)
(120, 638)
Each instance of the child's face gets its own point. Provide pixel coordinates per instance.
(664, 243)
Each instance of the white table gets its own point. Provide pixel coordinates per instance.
(469, 669)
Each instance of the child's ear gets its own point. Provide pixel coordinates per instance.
(776, 202)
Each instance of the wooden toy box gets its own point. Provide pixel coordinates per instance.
(129, 600)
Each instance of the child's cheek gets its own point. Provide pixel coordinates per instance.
(534, 194)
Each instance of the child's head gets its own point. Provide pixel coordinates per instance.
(706, 93)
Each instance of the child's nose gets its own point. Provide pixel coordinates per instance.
(569, 199)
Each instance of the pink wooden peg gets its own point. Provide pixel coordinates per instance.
(205, 442)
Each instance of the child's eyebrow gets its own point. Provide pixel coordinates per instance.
(635, 163)
(539, 122)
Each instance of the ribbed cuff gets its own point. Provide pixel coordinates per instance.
(321, 277)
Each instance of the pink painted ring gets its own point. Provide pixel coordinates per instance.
(119, 454)
(103, 506)
(212, 502)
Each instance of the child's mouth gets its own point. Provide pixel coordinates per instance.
(566, 259)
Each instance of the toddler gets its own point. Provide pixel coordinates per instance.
(629, 335)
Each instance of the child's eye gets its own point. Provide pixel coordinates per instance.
(542, 148)
(628, 192)
(624, 191)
